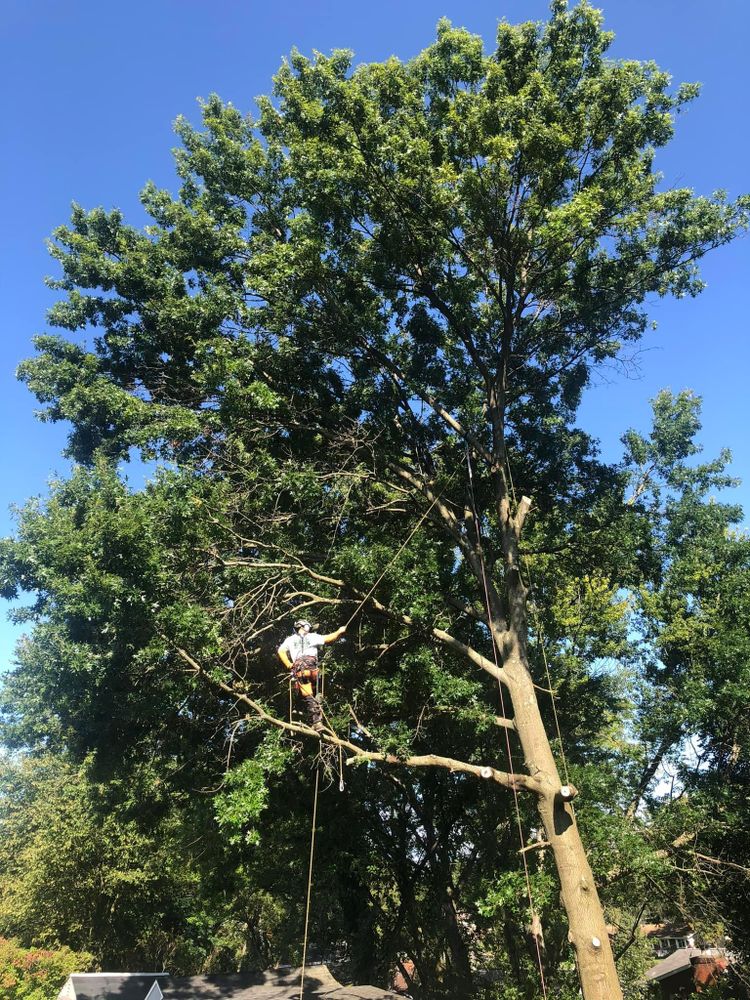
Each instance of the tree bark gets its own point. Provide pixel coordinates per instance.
(460, 972)
(587, 928)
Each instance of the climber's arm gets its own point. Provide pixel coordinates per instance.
(333, 636)
(284, 657)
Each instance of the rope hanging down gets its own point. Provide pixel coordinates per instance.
(511, 769)
(540, 637)
(361, 604)
(309, 881)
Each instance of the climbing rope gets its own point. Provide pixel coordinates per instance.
(309, 881)
(511, 770)
(373, 588)
(321, 688)
(361, 604)
(312, 848)
(540, 637)
(401, 548)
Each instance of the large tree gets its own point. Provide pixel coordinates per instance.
(357, 339)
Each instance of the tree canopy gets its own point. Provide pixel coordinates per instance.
(351, 344)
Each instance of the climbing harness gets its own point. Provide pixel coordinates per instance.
(305, 669)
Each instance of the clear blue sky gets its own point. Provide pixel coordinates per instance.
(92, 88)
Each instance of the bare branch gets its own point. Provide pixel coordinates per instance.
(471, 654)
(538, 845)
(719, 861)
(356, 753)
(523, 509)
(516, 781)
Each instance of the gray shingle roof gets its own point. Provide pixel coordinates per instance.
(277, 984)
(110, 986)
(675, 962)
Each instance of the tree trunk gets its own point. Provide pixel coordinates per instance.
(460, 962)
(587, 928)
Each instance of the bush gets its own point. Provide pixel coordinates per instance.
(34, 973)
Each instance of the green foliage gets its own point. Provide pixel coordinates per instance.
(127, 871)
(35, 973)
(245, 792)
(80, 864)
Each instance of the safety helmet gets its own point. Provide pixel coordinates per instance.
(302, 623)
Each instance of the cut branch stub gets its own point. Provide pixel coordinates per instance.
(523, 509)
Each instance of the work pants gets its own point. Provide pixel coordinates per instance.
(305, 673)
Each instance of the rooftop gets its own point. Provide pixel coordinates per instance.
(680, 960)
(675, 962)
(276, 984)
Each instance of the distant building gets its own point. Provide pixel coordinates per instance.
(687, 970)
(277, 984)
(668, 938)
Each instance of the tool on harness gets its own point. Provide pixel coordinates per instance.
(305, 670)
(305, 675)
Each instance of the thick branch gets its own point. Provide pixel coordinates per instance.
(523, 509)
(517, 781)
(356, 753)
(471, 654)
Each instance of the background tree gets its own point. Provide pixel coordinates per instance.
(695, 690)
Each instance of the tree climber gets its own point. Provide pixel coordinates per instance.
(299, 653)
